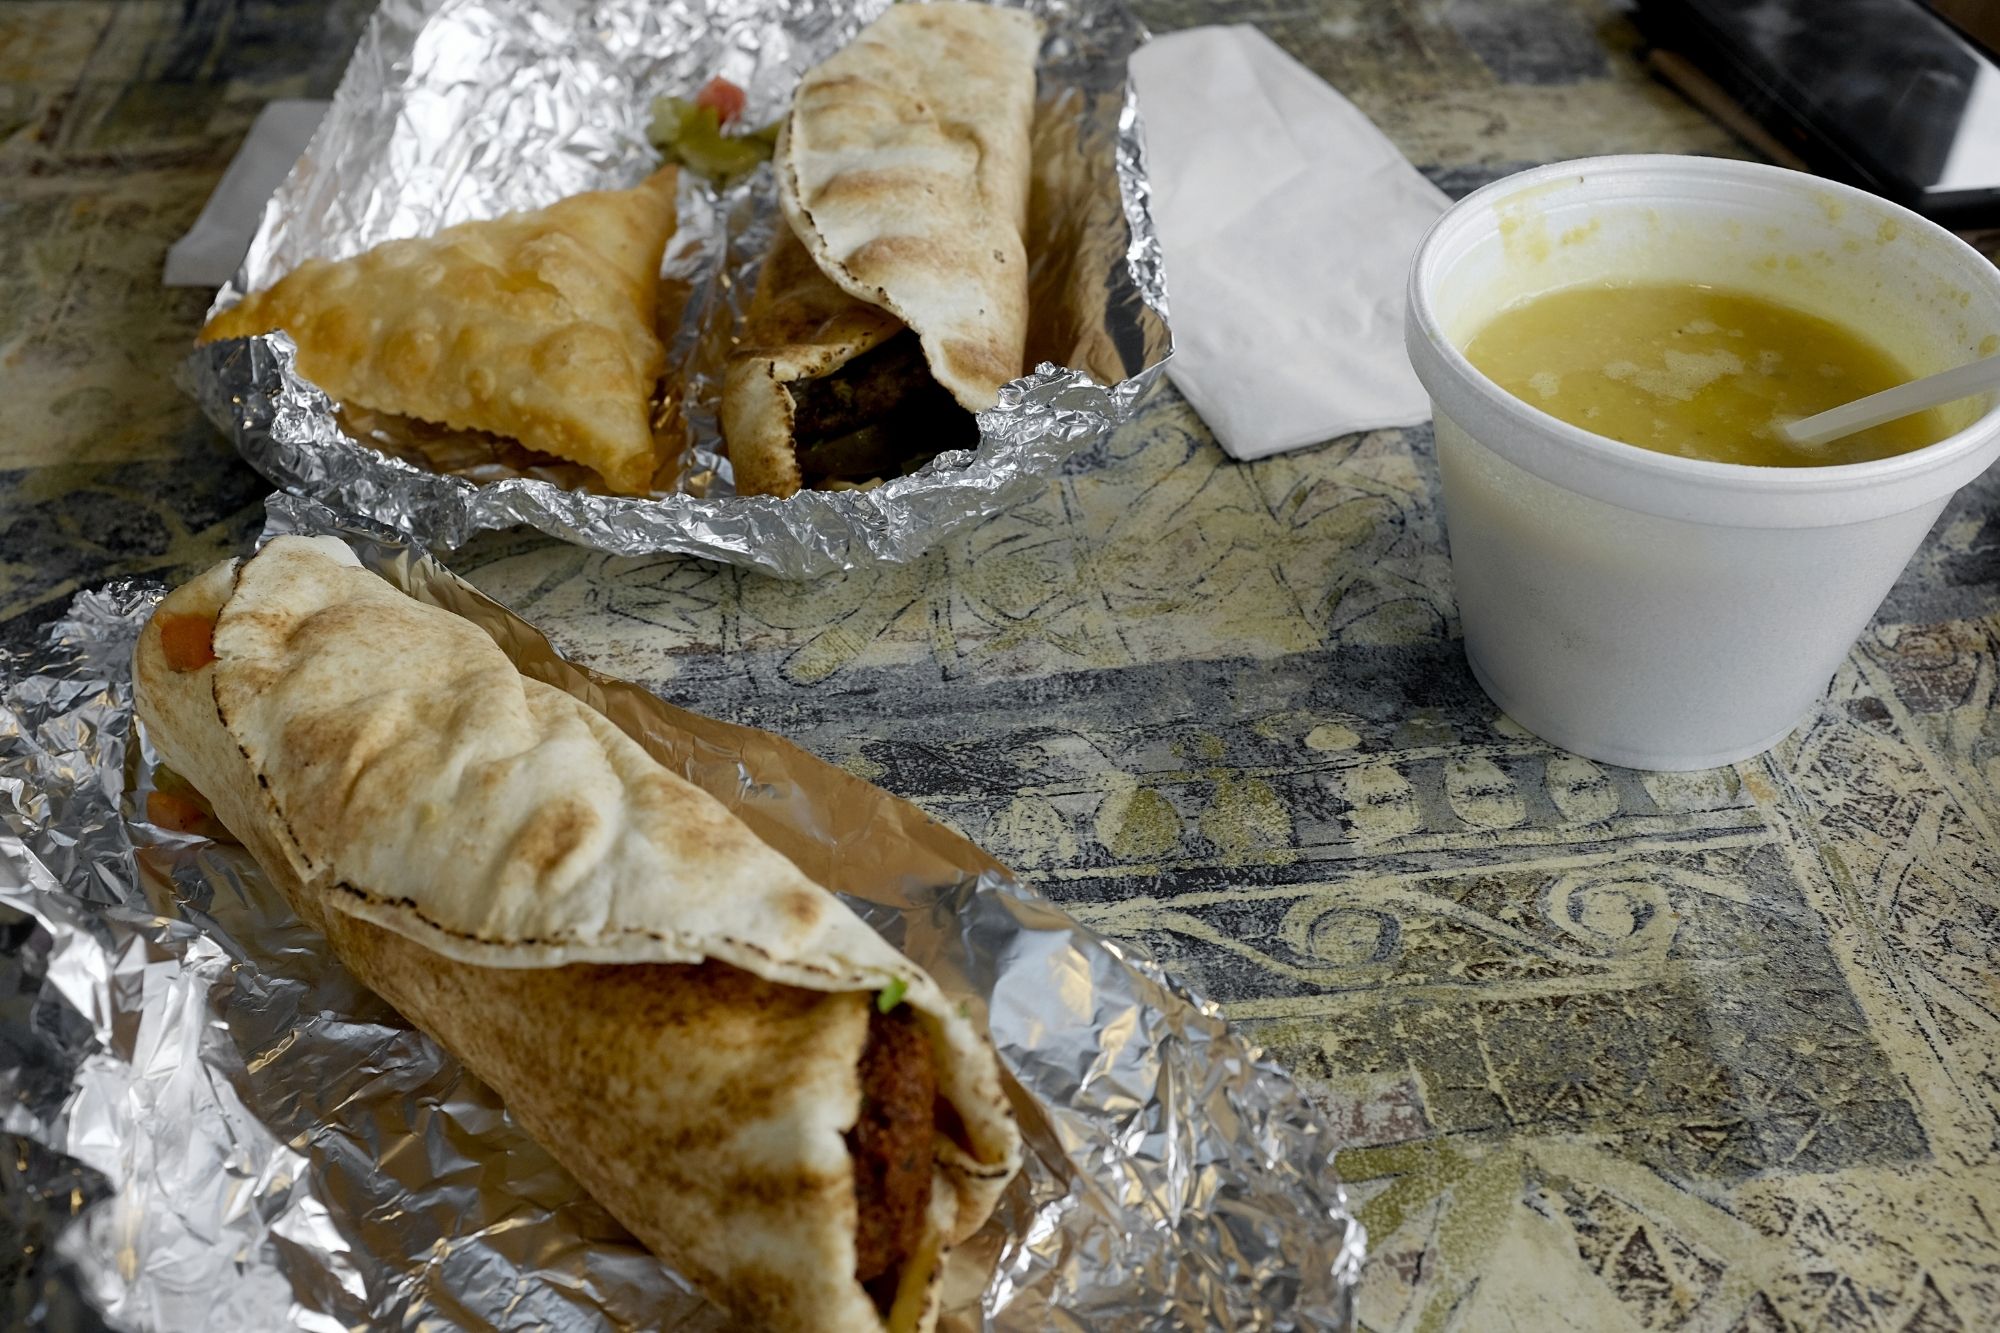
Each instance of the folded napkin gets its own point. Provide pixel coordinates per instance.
(209, 254)
(1287, 221)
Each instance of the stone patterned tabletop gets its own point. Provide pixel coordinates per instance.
(1610, 1050)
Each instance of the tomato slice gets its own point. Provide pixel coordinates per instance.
(187, 641)
(178, 813)
(724, 96)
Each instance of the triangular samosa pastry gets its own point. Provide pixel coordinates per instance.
(537, 326)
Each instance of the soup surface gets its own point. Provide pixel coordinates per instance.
(1693, 370)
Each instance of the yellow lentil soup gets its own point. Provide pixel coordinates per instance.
(1694, 370)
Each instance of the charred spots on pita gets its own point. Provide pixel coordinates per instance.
(582, 1012)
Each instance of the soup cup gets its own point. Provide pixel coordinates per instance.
(1651, 610)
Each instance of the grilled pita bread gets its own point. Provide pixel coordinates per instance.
(800, 326)
(688, 1023)
(903, 173)
(538, 326)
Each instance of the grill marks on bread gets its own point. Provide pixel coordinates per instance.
(904, 169)
(525, 883)
(684, 1068)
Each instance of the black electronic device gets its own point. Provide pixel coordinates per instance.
(1883, 94)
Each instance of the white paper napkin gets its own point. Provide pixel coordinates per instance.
(209, 254)
(1287, 221)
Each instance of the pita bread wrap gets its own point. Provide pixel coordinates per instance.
(690, 1025)
(898, 293)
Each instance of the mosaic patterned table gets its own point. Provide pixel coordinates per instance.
(1610, 1050)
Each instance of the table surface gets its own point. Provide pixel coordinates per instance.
(1608, 1049)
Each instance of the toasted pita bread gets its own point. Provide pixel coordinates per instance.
(676, 1012)
(538, 326)
(903, 173)
(904, 169)
(800, 325)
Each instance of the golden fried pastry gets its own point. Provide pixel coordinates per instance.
(538, 326)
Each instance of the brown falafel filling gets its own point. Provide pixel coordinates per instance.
(880, 415)
(891, 1145)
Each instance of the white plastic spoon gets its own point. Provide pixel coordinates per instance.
(1901, 401)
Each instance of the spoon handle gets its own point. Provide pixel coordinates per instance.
(1901, 401)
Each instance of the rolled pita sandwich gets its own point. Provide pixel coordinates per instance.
(757, 1085)
(894, 303)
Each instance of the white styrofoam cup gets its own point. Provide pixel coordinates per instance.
(1642, 608)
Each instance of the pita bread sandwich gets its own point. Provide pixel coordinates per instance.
(894, 304)
(755, 1083)
(535, 326)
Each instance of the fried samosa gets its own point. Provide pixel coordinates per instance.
(537, 326)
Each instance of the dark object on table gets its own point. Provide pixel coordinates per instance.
(1881, 93)
(1977, 19)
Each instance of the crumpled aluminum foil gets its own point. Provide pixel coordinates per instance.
(276, 1148)
(457, 109)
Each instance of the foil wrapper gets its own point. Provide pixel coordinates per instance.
(219, 1128)
(459, 109)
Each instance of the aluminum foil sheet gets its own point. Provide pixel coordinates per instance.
(219, 1129)
(459, 109)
